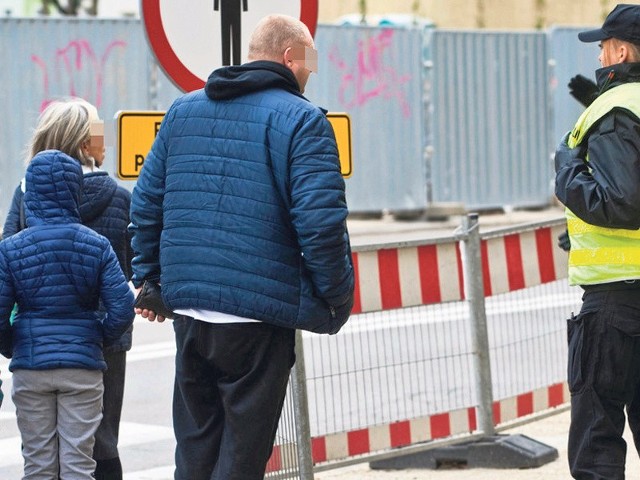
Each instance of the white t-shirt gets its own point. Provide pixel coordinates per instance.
(211, 316)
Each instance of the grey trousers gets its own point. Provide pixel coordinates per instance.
(58, 413)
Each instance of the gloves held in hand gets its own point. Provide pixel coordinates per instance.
(151, 299)
(564, 242)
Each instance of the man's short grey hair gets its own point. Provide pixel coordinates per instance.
(274, 34)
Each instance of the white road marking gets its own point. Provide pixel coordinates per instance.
(130, 434)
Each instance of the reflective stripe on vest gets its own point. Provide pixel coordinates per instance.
(603, 255)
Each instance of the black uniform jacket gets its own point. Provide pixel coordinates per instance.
(605, 191)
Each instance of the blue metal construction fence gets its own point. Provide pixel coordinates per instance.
(438, 116)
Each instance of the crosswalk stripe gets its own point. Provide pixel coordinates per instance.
(130, 434)
(158, 473)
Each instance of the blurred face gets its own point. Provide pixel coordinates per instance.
(302, 60)
(96, 142)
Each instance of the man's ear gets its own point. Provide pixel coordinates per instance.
(287, 58)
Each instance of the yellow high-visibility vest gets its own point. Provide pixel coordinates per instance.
(603, 255)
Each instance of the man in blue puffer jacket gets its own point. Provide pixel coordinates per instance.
(57, 271)
(240, 214)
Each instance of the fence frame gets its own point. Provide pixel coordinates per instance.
(482, 421)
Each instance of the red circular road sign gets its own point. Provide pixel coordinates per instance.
(187, 37)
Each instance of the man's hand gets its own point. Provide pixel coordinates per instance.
(583, 89)
(145, 313)
(149, 315)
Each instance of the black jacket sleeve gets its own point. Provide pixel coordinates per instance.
(12, 223)
(605, 191)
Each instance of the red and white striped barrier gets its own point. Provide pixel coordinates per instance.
(377, 438)
(404, 277)
(522, 260)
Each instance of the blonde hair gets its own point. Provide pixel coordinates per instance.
(632, 48)
(274, 34)
(64, 125)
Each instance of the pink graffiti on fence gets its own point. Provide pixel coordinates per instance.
(77, 69)
(370, 78)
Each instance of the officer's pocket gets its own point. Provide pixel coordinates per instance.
(616, 370)
(575, 337)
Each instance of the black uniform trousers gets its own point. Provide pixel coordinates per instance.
(230, 385)
(604, 379)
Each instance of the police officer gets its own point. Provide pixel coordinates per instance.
(598, 180)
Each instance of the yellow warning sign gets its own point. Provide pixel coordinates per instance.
(136, 131)
(341, 123)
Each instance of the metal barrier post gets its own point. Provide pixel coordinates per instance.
(474, 292)
(301, 412)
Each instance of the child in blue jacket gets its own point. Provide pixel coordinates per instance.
(57, 271)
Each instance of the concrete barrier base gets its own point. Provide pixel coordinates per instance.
(499, 451)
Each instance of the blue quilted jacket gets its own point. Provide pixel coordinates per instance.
(240, 205)
(104, 207)
(57, 271)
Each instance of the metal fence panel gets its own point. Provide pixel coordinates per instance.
(375, 75)
(437, 116)
(400, 377)
(389, 366)
(527, 337)
(491, 118)
(105, 61)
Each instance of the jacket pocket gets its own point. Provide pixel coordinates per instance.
(315, 314)
(602, 355)
(618, 355)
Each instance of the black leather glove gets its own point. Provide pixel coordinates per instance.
(564, 242)
(151, 299)
(583, 89)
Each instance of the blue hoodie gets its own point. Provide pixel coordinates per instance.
(57, 271)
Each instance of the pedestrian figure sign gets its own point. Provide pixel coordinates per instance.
(191, 39)
(231, 27)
